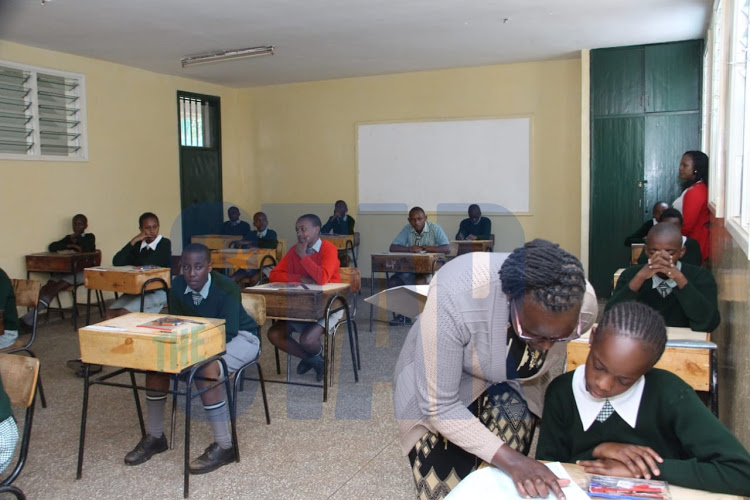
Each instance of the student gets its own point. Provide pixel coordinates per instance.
(419, 235)
(78, 241)
(475, 227)
(147, 248)
(262, 237)
(315, 261)
(235, 226)
(9, 321)
(692, 248)
(8, 429)
(632, 420)
(640, 234)
(201, 292)
(685, 295)
(339, 222)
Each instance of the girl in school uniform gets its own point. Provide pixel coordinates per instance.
(693, 202)
(619, 416)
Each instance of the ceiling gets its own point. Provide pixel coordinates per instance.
(324, 39)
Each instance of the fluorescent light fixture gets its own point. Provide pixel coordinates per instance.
(226, 55)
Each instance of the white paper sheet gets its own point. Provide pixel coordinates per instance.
(408, 300)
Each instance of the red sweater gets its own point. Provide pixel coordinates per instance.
(322, 267)
(695, 216)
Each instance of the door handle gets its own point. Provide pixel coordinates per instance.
(640, 184)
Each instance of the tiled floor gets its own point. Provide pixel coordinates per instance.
(345, 448)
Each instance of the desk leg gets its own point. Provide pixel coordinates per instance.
(88, 306)
(714, 384)
(84, 412)
(325, 359)
(352, 347)
(372, 288)
(137, 404)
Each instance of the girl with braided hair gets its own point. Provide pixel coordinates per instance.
(619, 416)
(488, 323)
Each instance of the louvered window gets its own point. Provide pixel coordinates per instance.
(41, 113)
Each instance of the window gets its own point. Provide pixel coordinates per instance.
(195, 128)
(714, 101)
(41, 114)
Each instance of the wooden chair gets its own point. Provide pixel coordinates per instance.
(20, 375)
(280, 249)
(27, 295)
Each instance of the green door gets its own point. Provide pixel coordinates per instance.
(673, 76)
(200, 164)
(668, 136)
(617, 168)
(617, 81)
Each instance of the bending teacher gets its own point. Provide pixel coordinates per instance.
(488, 323)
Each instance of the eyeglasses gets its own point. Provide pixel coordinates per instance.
(535, 338)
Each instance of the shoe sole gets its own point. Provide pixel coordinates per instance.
(146, 458)
(197, 472)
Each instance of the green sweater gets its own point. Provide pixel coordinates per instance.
(5, 410)
(8, 302)
(694, 306)
(132, 255)
(87, 242)
(698, 450)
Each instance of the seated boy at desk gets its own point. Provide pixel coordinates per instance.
(315, 261)
(640, 234)
(693, 254)
(78, 241)
(619, 416)
(685, 295)
(200, 292)
(339, 222)
(475, 227)
(262, 237)
(9, 318)
(234, 226)
(147, 248)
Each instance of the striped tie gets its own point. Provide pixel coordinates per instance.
(606, 412)
(664, 289)
(310, 251)
(197, 298)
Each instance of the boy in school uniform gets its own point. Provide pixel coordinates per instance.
(619, 416)
(234, 226)
(315, 261)
(685, 295)
(475, 227)
(693, 254)
(262, 237)
(147, 248)
(339, 222)
(640, 234)
(9, 321)
(201, 292)
(78, 241)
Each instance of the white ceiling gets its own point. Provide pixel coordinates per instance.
(323, 39)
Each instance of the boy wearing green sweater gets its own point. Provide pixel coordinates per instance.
(685, 295)
(619, 416)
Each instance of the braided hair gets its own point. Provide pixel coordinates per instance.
(551, 275)
(636, 321)
(700, 164)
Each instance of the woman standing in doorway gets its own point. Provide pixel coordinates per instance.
(693, 202)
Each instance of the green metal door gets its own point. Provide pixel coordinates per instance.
(200, 164)
(617, 168)
(667, 138)
(673, 76)
(617, 81)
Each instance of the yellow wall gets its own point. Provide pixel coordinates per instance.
(132, 166)
(306, 139)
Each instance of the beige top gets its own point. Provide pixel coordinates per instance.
(440, 373)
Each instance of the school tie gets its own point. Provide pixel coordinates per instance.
(197, 298)
(310, 251)
(606, 412)
(664, 289)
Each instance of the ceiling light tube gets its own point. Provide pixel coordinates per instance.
(226, 55)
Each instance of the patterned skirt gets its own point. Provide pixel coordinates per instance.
(439, 465)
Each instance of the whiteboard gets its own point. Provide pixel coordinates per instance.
(444, 162)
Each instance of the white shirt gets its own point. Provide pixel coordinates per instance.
(656, 280)
(263, 234)
(626, 404)
(151, 245)
(316, 246)
(204, 291)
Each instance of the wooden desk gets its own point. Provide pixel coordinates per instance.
(215, 241)
(695, 365)
(247, 258)
(401, 262)
(636, 249)
(344, 244)
(122, 343)
(134, 280)
(292, 302)
(467, 246)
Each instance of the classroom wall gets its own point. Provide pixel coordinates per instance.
(305, 139)
(133, 159)
(731, 268)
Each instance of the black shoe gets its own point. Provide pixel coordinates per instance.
(303, 367)
(400, 320)
(213, 458)
(146, 448)
(316, 362)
